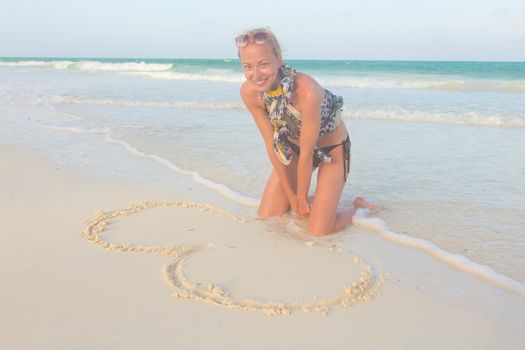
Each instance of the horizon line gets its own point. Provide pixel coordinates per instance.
(237, 59)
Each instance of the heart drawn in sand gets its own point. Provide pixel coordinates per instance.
(357, 292)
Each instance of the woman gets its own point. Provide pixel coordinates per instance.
(299, 121)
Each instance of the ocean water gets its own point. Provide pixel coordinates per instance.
(440, 144)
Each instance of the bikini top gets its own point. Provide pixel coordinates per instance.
(286, 120)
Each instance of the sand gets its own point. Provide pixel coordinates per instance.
(91, 262)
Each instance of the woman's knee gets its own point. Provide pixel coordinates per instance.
(268, 212)
(319, 227)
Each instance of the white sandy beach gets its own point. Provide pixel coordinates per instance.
(61, 292)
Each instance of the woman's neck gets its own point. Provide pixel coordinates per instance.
(277, 81)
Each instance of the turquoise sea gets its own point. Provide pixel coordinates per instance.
(440, 144)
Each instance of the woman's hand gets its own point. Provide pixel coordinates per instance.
(303, 208)
(293, 202)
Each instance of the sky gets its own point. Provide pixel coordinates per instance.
(471, 30)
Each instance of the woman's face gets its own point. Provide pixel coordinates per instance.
(260, 66)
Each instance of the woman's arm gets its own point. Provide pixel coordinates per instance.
(308, 97)
(256, 107)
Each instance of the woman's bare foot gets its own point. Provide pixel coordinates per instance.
(360, 202)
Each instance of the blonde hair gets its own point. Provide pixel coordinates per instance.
(272, 40)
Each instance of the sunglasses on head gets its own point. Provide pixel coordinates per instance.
(256, 37)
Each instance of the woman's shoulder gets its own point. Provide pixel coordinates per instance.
(250, 96)
(305, 85)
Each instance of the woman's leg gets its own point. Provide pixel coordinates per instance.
(324, 218)
(344, 218)
(274, 201)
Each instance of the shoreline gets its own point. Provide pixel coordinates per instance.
(68, 293)
(226, 197)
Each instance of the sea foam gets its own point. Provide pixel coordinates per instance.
(360, 219)
(465, 118)
(137, 103)
(426, 83)
(171, 75)
(110, 138)
(169, 71)
(92, 66)
(456, 260)
(398, 114)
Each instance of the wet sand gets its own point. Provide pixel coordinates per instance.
(91, 262)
